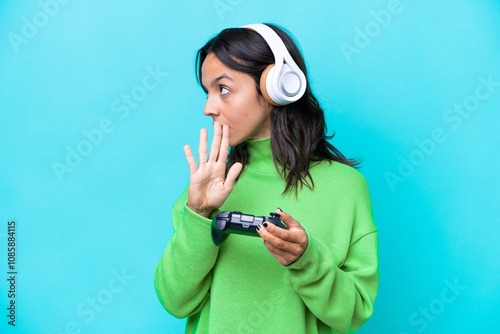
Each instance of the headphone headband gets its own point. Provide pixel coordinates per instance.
(283, 82)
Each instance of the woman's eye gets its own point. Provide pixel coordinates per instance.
(223, 90)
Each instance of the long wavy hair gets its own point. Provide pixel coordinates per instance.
(298, 130)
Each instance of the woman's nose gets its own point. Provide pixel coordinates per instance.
(211, 107)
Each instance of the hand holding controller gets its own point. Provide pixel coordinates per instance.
(225, 223)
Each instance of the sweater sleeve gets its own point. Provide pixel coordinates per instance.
(341, 296)
(183, 276)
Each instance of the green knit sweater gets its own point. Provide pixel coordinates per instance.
(240, 287)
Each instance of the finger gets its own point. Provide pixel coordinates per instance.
(286, 218)
(224, 147)
(202, 147)
(294, 236)
(280, 233)
(282, 257)
(190, 159)
(232, 174)
(275, 243)
(275, 230)
(216, 142)
(278, 252)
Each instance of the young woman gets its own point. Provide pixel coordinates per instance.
(269, 151)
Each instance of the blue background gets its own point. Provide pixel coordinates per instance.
(95, 233)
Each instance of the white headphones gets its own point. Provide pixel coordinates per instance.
(282, 82)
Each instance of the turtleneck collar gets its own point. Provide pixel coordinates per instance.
(260, 155)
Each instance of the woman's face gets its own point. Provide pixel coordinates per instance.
(233, 100)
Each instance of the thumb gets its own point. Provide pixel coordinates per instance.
(288, 219)
(233, 174)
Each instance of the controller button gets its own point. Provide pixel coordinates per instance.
(246, 218)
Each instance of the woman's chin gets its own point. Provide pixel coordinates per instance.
(235, 141)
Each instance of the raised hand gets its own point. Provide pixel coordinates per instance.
(209, 187)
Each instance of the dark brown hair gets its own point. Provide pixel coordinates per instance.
(298, 130)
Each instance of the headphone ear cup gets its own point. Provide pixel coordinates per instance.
(263, 84)
(289, 84)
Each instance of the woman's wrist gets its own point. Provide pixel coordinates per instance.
(205, 212)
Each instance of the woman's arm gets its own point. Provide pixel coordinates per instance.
(183, 276)
(340, 296)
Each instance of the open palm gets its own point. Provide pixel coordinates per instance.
(209, 187)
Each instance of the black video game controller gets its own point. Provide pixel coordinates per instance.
(225, 223)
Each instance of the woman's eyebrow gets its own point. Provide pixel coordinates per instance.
(220, 77)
